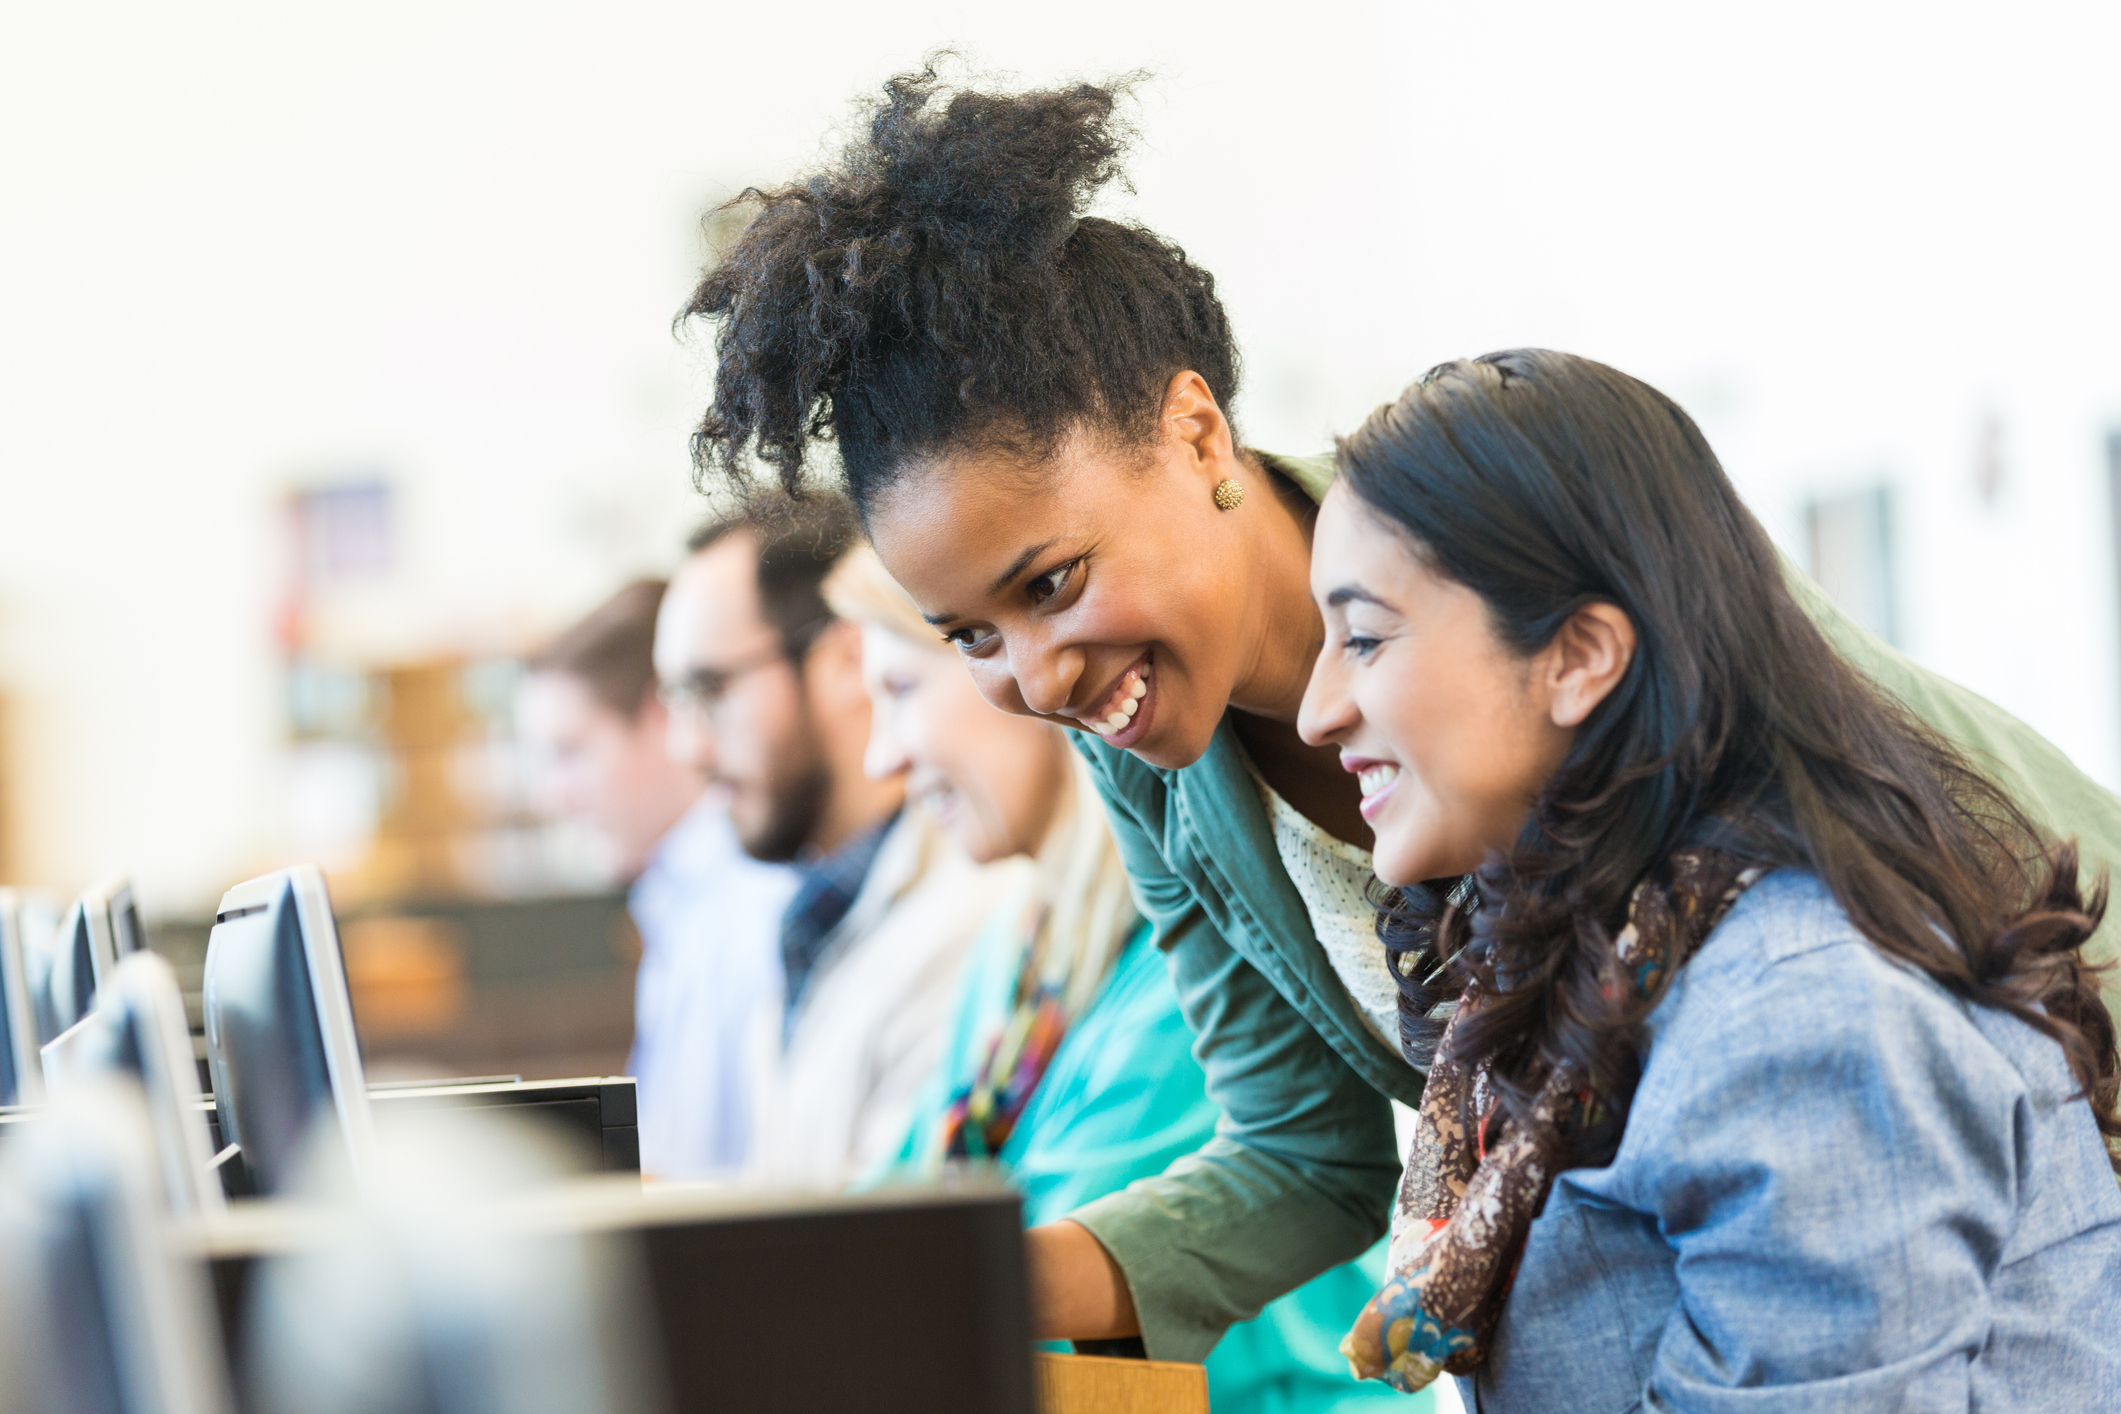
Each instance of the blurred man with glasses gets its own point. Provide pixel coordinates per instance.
(764, 689)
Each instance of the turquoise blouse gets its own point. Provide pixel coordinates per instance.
(1121, 1100)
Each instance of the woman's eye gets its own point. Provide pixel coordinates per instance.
(968, 640)
(1052, 582)
(1360, 646)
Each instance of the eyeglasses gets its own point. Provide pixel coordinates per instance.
(702, 690)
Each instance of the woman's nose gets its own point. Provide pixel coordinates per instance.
(1045, 676)
(886, 755)
(1328, 712)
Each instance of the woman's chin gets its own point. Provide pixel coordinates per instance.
(1399, 861)
(1398, 878)
(1170, 746)
(973, 840)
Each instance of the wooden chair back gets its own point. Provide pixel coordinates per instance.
(1092, 1384)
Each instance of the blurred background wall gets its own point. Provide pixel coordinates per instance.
(336, 368)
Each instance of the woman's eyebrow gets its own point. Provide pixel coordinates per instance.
(1018, 566)
(1002, 581)
(1353, 594)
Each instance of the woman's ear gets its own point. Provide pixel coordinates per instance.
(1194, 424)
(1590, 655)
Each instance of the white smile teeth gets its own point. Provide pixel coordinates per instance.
(1376, 778)
(1132, 690)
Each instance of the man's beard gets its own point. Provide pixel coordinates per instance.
(795, 798)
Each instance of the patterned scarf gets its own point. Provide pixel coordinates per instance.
(982, 1115)
(1473, 1186)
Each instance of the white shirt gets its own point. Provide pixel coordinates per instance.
(1333, 878)
(709, 916)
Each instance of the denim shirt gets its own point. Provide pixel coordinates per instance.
(707, 914)
(1840, 1187)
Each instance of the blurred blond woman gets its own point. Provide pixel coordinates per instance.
(1066, 1063)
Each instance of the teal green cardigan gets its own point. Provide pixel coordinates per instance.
(1120, 1100)
(1300, 1174)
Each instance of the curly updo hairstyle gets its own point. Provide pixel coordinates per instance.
(939, 289)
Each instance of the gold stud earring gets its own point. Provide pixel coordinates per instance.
(1228, 495)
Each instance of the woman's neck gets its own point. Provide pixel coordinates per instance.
(1309, 777)
(1289, 634)
(1287, 631)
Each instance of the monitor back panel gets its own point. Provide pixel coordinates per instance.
(595, 1119)
(80, 956)
(883, 1306)
(266, 1046)
(20, 1069)
(882, 1309)
(127, 934)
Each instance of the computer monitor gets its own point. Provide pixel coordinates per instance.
(280, 1035)
(137, 1028)
(39, 944)
(103, 1312)
(730, 1315)
(21, 1078)
(101, 927)
(126, 934)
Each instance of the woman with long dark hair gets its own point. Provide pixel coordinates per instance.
(1772, 1056)
(1030, 408)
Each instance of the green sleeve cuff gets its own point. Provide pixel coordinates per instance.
(1221, 1233)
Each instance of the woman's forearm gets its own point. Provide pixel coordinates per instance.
(1077, 1291)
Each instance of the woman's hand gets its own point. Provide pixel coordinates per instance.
(1077, 1291)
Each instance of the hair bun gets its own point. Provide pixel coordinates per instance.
(937, 286)
(984, 176)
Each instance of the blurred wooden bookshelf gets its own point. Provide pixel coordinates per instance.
(478, 938)
(541, 988)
